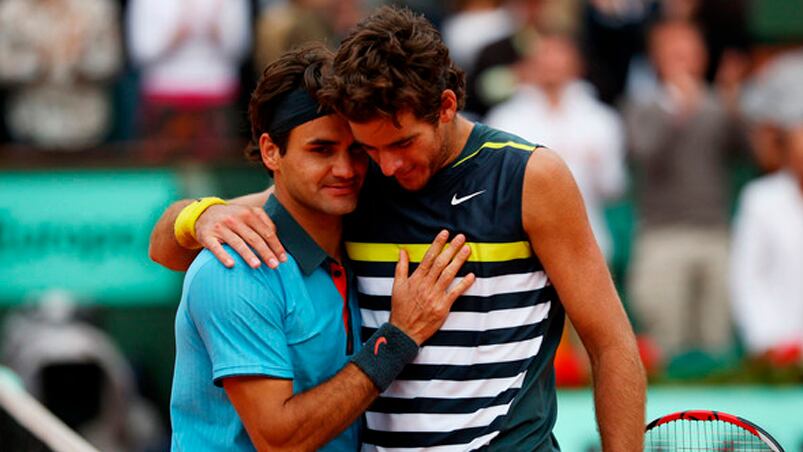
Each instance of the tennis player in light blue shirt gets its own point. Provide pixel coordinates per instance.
(270, 358)
(286, 323)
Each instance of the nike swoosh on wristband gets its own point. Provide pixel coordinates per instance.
(380, 341)
(456, 200)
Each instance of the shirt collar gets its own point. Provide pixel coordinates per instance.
(472, 144)
(294, 238)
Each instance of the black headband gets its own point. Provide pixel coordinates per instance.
(293, 109)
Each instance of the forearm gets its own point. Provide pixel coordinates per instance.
(557, 224)
(619, 398)
(313, 418)
(164, 249)
(257, 199)
(277, 419)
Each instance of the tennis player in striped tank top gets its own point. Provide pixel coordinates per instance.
(485, 380)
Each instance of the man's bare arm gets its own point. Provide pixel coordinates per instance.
(278, 420)
(242, 224)
(556, 222)
(164, 248)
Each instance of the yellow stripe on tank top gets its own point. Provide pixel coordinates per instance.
(480, 252)
(496, 145)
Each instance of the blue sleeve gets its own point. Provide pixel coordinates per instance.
(240, 320)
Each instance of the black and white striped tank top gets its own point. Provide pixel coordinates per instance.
(485, 380)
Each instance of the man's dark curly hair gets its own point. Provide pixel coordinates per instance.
(392, 61)
(301, 67)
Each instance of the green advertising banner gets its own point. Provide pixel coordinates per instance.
(85, 232)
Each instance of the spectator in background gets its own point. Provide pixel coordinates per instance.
(554, 107)
(473, 25)
(766, 278)
(679, 139)
(282, 26)
(613, 33)
(721, 23)
(763, 95)
(725, 30)
(56, 57)
(189, 54)
(492, 78)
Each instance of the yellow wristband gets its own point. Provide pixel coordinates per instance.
(184, 227)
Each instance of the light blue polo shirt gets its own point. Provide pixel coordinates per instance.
(284, 323)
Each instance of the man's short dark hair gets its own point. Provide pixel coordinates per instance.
(394, 60)
(302, 67)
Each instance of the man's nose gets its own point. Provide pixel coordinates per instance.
(388, 163)
(343, 165)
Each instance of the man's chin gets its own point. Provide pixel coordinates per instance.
(340, 206)
(411, 184)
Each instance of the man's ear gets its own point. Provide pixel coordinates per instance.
(448, 106)
(269, 151)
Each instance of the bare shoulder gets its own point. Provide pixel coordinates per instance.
(550, 193)
(546, 167)
(547, 175)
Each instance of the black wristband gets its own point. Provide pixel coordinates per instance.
(384, 355)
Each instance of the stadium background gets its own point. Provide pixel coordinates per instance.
(75, 221)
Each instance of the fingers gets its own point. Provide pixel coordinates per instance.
(217, 249)
(236, 242)
(247, 230)
(459, 289)
(447, 255)
(264, 226)
(448, 274)
(434, 250)
(257, 243)
(402, 267)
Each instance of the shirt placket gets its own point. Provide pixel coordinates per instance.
(338, 274)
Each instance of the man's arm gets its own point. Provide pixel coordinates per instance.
(556, 222)
(276, 419)
(242, 224)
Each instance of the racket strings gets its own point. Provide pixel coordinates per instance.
(691, 435)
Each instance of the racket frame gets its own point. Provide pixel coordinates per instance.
(709, 415)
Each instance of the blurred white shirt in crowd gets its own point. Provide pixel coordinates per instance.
(767, 268)
(189, 46)
(586, 133)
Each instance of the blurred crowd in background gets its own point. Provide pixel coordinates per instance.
(680, 119)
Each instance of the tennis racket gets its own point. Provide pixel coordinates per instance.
(703, 430)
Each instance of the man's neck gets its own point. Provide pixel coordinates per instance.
(456, 139)
(325, 229)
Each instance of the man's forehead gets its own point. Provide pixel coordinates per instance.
(326, 129)
(386, 131)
